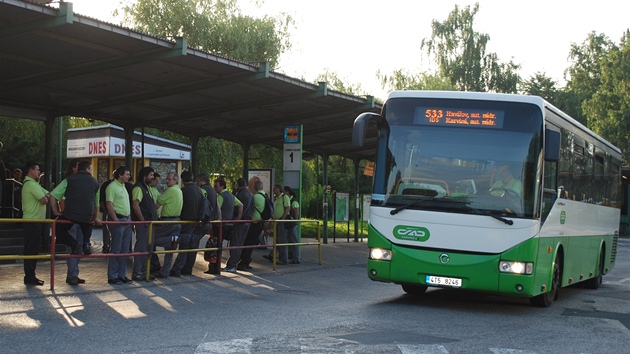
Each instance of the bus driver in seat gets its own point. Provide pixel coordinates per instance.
(505, 182)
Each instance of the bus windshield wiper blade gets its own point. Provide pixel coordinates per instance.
(398, 209)
(507, 221)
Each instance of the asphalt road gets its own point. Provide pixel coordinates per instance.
(308, 308)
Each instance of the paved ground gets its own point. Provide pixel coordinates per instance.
(94, 270)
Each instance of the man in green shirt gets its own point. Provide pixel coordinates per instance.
(118, 209)
(34, 200)
(281, 206)
(506, 183)
(167, 235)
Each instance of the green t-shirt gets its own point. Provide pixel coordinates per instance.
(117, 194)
(154, 193)
(172, 201)
(32, 193)
(136, 194)
(279, 204)
(259, 204)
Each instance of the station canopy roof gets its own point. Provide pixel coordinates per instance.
(54, 62)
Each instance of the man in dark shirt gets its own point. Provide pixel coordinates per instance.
(190, 234)
(143, 208)
(80, 207)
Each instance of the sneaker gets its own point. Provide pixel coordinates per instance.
(229, 269)
(174, 274)
(125, 280)
(294, 262)
(161, 276)
(114, 281)
(281, 262)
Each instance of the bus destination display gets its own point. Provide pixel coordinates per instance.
(464, 117)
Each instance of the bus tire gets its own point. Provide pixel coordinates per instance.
(414, 289)
(546, 299)
(595, 282)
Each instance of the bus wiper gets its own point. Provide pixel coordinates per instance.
(507, 221)
(397, 210)
(498, 217)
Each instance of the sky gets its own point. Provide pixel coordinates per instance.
(357, 38)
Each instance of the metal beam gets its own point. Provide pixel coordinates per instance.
(203, 113)
(179, 49)
(263, 72)
(301, 119)
(66, 16)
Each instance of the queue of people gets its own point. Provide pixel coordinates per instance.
(81, 202)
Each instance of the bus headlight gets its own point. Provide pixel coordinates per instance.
(380, 254)
(516, 267)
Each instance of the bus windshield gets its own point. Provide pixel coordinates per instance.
(462, 156)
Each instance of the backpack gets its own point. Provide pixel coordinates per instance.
(205, 210)
(267, 211)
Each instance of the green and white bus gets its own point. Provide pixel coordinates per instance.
(495, 193)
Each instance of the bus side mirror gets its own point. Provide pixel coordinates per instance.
(552, 145)
(359, 130)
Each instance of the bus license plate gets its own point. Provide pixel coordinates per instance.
(443, 281)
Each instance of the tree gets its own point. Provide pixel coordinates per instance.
(460, 53)
(339, 84)
(216, 26)
(403, 80)
(541, 85)
(608, 109)
(584, 74)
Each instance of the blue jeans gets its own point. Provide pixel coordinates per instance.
(185, 261)
(121, 239)
(281, 237)
(292, 236)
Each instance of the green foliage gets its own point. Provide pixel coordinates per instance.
(608, 109)
(23, 140)
(584, 74)
(339, 84)
(460, 53)
(541, 85)
(403, 80)
(216, 26)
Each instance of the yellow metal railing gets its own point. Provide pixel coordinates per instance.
(52, 256)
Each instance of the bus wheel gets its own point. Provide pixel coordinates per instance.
(546, 299)
(594, 283)
(415, 289)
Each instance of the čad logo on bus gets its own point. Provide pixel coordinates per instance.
(411, 233)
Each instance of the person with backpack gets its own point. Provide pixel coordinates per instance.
(260, 206)
(281, 206)
(294, 214)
